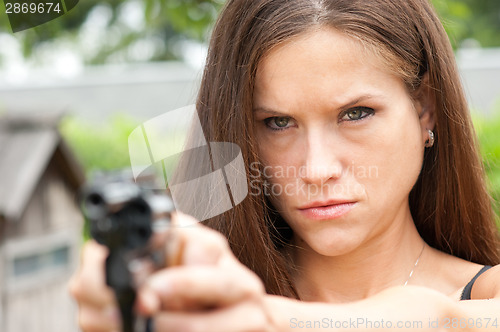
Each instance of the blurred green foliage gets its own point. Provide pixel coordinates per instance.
(471, 19)
(488, 131)
(104, 147)
(100, 147)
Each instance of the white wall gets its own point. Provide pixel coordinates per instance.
(143, 91)
(480, 71)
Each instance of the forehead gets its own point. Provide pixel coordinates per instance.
(319, 38)
(325, 61)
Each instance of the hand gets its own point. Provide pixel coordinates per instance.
(205, 287)
(97, 308)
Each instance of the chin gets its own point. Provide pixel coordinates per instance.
(331, 243)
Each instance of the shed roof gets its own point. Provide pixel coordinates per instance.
(27, 145)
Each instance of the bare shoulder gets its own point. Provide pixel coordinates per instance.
(448, 274)
(455, 273)
(487, 285)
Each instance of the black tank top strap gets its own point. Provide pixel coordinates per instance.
(468, 288)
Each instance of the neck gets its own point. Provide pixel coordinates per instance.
(383, 261)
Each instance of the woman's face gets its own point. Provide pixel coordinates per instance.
(341, 140)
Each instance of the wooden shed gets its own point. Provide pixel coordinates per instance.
(40, 226)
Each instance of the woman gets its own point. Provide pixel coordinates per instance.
(367, 196)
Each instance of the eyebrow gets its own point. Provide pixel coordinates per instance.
(359, 100)
(351, 103)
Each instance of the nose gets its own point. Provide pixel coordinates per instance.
(322, 159)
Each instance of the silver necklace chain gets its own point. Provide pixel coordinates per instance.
(415, 266)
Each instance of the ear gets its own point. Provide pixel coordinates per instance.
(426, 107)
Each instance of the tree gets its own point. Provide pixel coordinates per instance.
(471, 19)
(121, 24)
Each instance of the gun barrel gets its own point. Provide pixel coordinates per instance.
(123, 218)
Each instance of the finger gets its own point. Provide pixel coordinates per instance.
(247, 316)
(88, 285)
(92, 319)
(198, 287)
(194, 245)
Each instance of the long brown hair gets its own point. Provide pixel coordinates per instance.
(449, 203)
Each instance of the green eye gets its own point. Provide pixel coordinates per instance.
(357, 113)
(281, 121)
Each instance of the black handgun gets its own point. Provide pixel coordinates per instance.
(123, 217)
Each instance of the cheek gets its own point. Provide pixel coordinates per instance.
(280, 165)
(282, 172)
(399, 159)
(408, 151)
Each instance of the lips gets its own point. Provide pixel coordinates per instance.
(326, 210)
(329, 202)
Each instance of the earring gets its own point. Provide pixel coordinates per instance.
(430, 142)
